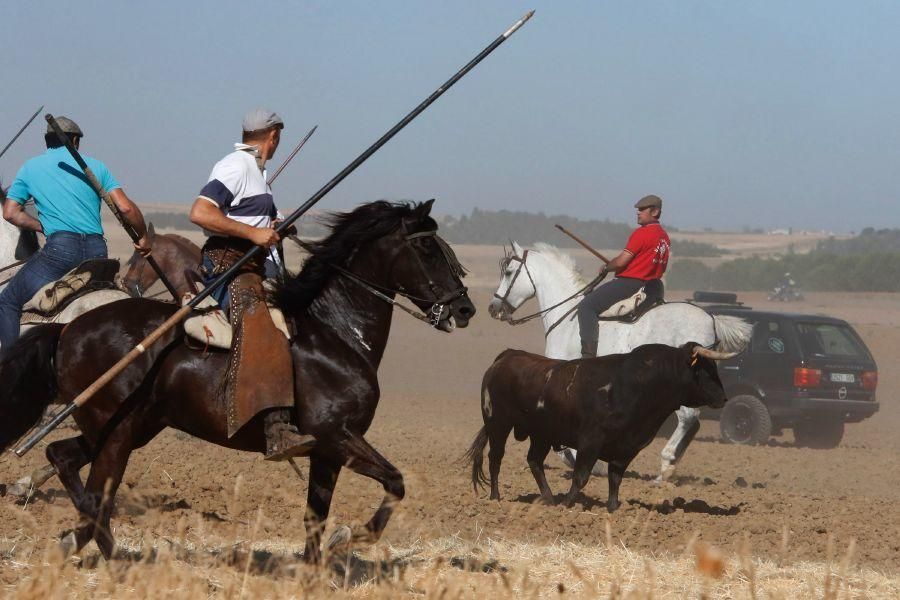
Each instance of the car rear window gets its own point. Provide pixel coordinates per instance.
(829, 340)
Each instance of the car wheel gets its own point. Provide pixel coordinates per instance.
(745, 420)
(819, 433)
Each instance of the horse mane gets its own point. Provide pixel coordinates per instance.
(181, 241)
(349, 231)
(565, 260)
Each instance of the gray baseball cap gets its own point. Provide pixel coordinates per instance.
(261, 118)
(648, 201)
(67, 125)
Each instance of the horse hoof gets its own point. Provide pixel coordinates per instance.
(23, 488)
(68, 544)
(340, 538)
(665, 473)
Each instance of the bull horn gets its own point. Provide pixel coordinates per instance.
(712, 354)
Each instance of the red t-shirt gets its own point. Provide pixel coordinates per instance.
(650, 246)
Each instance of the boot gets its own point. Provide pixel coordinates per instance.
(283, 439)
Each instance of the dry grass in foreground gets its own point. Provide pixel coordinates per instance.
(191, 566)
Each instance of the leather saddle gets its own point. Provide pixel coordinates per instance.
(636, 306)
(91, 275)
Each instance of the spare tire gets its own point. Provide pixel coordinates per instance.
(745, 420)
(822, 432)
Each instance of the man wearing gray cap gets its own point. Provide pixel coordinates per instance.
(236, 211)
(640, 265)
(68, 215)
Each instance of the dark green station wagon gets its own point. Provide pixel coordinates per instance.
(808, 373)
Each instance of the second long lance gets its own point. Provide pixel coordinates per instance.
(101, 191)
(176, 318)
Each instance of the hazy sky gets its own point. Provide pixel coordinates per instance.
(761, 114)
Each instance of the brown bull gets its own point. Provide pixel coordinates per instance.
(609, 408)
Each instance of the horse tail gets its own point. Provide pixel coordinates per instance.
(475, 456)
(29, 381)
(732, 332)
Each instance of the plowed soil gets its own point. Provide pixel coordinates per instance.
(784, 500)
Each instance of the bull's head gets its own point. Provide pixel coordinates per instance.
(706, 387)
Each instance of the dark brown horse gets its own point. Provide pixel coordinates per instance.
(343, 330)
(174, 253)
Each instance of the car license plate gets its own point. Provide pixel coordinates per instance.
(843, 377)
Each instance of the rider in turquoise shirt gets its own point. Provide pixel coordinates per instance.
(64, 199)
(68, 215)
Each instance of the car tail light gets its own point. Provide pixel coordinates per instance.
(870, 380)
(806, 378)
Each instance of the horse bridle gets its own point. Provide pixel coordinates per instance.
(438, 303)
(137, 281)
(504, 263)
(504, 299)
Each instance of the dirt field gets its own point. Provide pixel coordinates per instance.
(798, 508)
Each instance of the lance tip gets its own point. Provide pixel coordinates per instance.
(518, 24)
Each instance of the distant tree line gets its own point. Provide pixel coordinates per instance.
(498, 227)
(820, 269)
(869, 241)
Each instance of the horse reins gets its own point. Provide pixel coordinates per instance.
(504, 299)
(433, 317)
(18, 263)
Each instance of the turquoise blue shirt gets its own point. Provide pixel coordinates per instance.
(64, 199)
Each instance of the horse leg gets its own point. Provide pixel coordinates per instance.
(570, 455)
(26, 486)
(362, 458)
(688, 426)
(66, 459)
(95, 506)
(537, 452)
(497, 436)
(323, 476)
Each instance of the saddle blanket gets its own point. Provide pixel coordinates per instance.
(625, 307)
(209, 325)
(91, 275)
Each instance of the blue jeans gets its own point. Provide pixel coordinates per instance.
(222, 295)
(63, 252)
(601, 299)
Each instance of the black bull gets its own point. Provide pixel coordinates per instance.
(609, 408)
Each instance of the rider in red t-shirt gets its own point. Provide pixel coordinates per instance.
(641, 264)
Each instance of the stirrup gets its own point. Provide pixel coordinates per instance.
(298, 444)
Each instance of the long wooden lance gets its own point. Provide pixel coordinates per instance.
(18, 133)
(99, 189)
(583, 243)
(176, 318)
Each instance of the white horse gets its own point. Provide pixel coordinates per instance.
(15, 246)
(550, 275)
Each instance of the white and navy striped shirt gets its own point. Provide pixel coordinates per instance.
(238, 187)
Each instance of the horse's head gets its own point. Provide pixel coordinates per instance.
(138, 275)
(379, 249)
(425, 269)
(516, 283)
